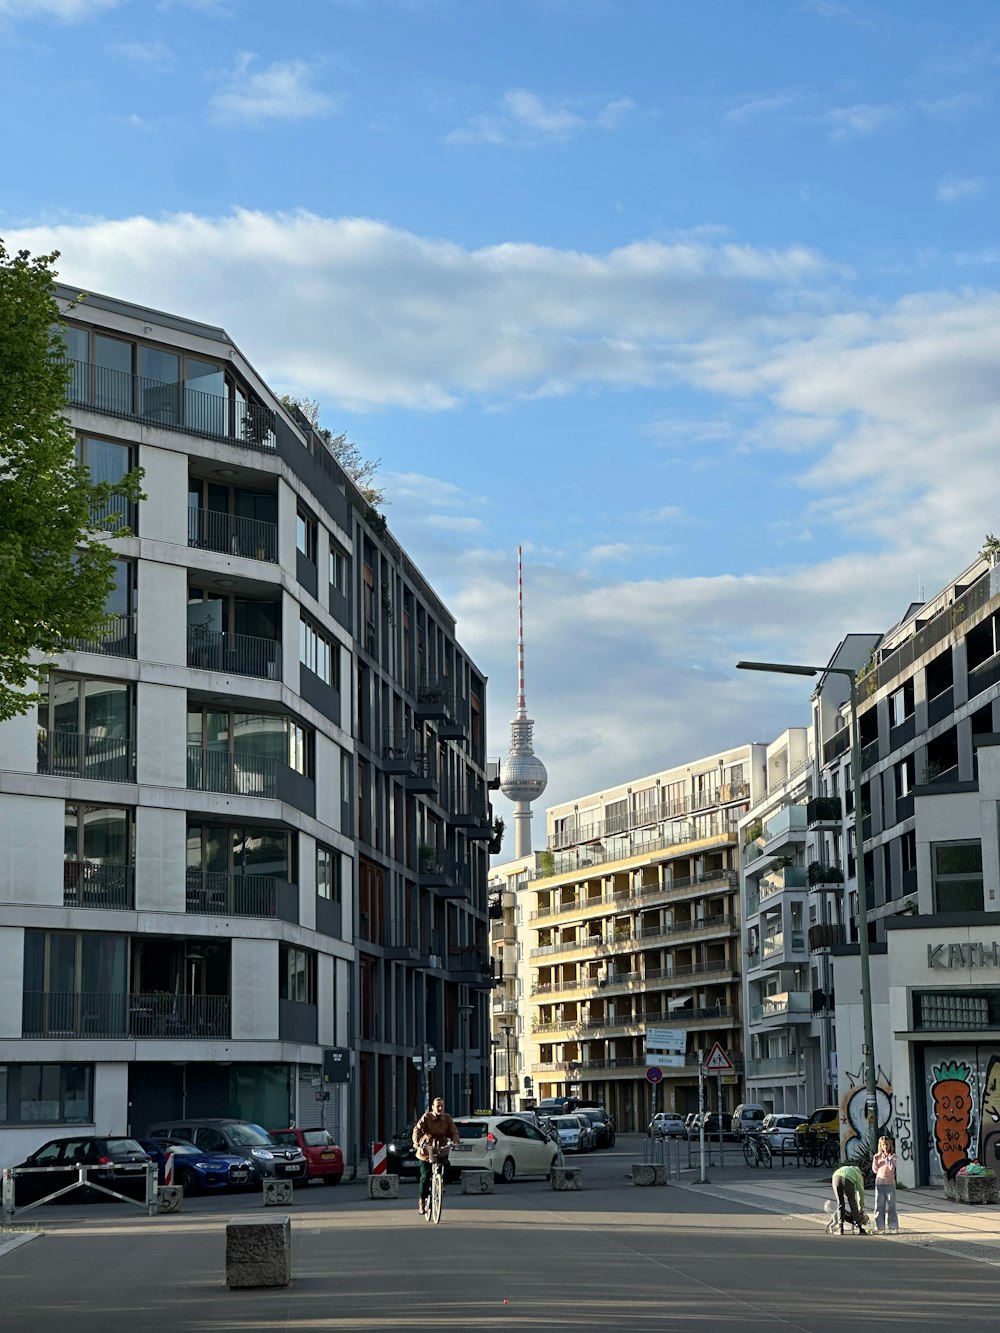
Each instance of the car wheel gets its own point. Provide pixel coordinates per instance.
(508, 1170)
(187, 1180)
(332, 1180)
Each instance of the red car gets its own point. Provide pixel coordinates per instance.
(324, 1159)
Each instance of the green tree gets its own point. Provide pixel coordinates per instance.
(56, 569)
(362, 471)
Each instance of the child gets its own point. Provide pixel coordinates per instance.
(884, 1166)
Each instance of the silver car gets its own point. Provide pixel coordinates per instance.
(570, 1133)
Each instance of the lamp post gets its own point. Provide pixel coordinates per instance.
(507, 1030)
(790, 669)
(465, 1012)
(495, 1098)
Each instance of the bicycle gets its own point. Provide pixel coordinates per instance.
(756, 1150)
(820, 1149)
(438, 1157)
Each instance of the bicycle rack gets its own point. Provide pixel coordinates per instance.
(8, 1210)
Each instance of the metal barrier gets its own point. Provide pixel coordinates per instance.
(663, 1150)
(83, 1181)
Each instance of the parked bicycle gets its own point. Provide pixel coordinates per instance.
(820, 1148)
(756, 1149)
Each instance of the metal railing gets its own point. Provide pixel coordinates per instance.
(247, 424)
(139, 1014)
(657, 813)
(646, 933)
(726, 878)
(90, 754)
(218, 893)
(233, 774)
(233, 654)
(581, 857)
(787, 1002)
(98, 884)
(253, 538)
(116, 638)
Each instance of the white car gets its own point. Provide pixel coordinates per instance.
(506, 1145)
(571, 1133)
(779, 1132)
(668, 1125)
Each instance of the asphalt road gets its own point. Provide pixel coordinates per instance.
(612, 1256)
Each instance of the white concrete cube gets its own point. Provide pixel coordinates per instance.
(477, 1182)
(385, 1186)
(259, 1253)
(566, 1178)
(278, 1192)
(649, 1173)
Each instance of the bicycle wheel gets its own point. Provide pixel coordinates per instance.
(750, 1152)
(831, 1153)
(437, 1191)
(809, 1155)
(766, 1156)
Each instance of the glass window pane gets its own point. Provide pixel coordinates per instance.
(958, 858)
(40, 1092)
(113, 374)
(105, 834)
(106, 710)
(107, 461)
(118, 598)
(71, 833)
(113, 354)
(3, 1094)
(77, 343)
(205, 401)
(159, 374)
(34, 961)
(62, 963)
(76, 1092)
(260, 734)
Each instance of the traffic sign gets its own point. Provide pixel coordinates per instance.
(654, 1074)
(718, 1061)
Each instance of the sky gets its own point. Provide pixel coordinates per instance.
(698, 302)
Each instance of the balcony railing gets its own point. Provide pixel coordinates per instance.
(787, 1002)
(115, 639)
(233, 654)
(98, 884)
(583, 856)
(824, 810)
(826, 935)
(247, 424)
(641, 817)
(231, 534)
(91, 754)
(218, 893)
(628, 939)
(72, 1014)
(678, 887)
(774, 1066)
(232, 774)
(820, 873)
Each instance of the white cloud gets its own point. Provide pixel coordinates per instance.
(282, 91)
(455, 523)
(67, 10)
(950, 189)
(860, 120)
(764, 104)
(525, 119)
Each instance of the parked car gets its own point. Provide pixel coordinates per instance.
(589, 1131)
(747, 1117)
(716, 1123)
(825, 1119)
(270, 1160)
(550, 1106)
(505, 1145)
(120, 1165)
(604, 1126)
(667, 1125)
(779, 1132)
(324, 1158)
(196, 1170)
(691, 1124)
(570, 1133)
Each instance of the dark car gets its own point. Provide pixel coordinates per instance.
(196, 1170)
(270, 1160)
(714, 1123)
(118, 1164)
(322, 1153)
(401, 1157)
(603, 1125)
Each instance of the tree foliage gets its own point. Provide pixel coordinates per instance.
(56, 569)
(362, 471)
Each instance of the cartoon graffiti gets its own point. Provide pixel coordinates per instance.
(951, 1110)
(989, 1116)
(853, 1111)
(902, 1125)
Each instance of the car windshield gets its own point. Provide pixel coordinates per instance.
(249, 1136)
(317, 1138)
(116, 1146)
(565, 1122)
(472, 1129)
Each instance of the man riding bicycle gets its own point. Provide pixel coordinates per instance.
(433, 1131)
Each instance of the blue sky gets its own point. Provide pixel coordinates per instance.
(697, 301)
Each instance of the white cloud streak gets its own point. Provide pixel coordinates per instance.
(525, 119)
(950, 189)
(282, 91)
(66, 10)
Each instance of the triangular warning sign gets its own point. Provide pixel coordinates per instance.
(718, 1061)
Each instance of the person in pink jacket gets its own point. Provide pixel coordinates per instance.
(884, 1166)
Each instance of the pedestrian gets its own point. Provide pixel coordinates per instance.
(849, 1189)
(884, 1166)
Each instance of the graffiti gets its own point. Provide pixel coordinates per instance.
(989, 1116)
(902, 1125)
(951, 1114)
(853, 1109)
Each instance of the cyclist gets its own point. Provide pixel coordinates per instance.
(435, 1128)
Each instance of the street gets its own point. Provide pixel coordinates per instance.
(524, 1258)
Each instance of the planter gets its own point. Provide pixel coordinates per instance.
(973, 1189)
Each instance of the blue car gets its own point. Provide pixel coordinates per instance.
(197, 1170)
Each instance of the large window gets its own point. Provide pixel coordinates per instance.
(109, 463)
(319, 654)
(328, 874)
(253, 735)
(233, 849)
(46, 1094)
(296, 974)
(338, 570)
(305, 536)
(957, 869)
(85, 728)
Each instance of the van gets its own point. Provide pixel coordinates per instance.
(748, 1117)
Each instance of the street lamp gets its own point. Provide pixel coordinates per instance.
(507, 1030)
(789, 669)
(495, 1047)
(465, 1011)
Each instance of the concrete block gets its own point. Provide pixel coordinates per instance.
(169, 1198)
(258, 1252)
(278, 1192)
(566, 1178)
(973, 1189)
(385, 1186)
(477, 1182)
(649, 1173)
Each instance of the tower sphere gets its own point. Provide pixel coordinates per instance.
(522, 776)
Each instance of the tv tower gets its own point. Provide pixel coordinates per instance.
(522, 774)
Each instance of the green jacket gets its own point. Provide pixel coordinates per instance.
(852, 1174)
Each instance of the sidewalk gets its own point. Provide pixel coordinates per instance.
(926, 1217)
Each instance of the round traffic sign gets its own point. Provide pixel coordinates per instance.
(654, 1074)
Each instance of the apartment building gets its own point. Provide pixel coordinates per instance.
(630, 921)
(249, 822)
(512, 1084)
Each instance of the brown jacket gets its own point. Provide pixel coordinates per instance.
(438, 1127)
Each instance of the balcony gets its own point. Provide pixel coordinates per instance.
(116, 393)
(91, 754)
(115, 639)
(241, 774)
(794, 942)
(470, 810)
(825, 936)
(231, 534)
(435, 699)
(681, 887)
(135, 1016)
(493, 774)
(444, 874)
(775, 1066)
(821, 875)
(218, 893)
(785, 825)
(469, 966)
(782, 1005)
(233, 654)
(627, 939)
(98, 884)
(824, 810)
